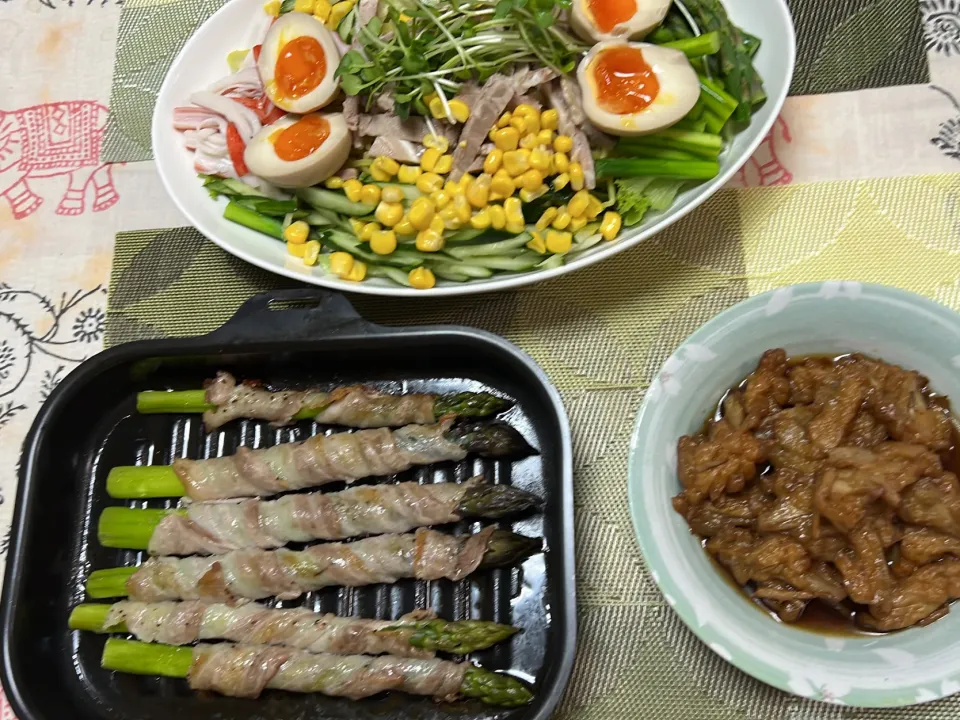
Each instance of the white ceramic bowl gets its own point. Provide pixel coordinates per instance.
(203, 60)
(903, 668)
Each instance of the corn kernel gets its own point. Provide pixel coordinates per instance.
(392, 195)
(387, 164)
(357, 226)
(559, 242)
(429, 182)
(444, 164)
(429, 240)
(515, 227)
(525, 109)
(537, 243)
(366, 233)
(577, 223)
(518, 123)
(529, 142)
(297, 249)
(338, 13)
(405, 227)
(379, 174)
(563, 143)
(549, 119)
(540, 160)
(498, 217)
(272, 8)
(531, 195)
(502, 184)
(548, 215)
(296, 232)
(561, 181)
(531, 124)
(388, 214)
(352, 188)
(531, 179)
(311, 252)
(404, 18)
(506, 138)
(334, 182)
(370, 194)
(504, 119)
(436, 108)
(560, 162)
(513, 208)
(545, 137)
(576, 176)
(562, 220)
(462, 206)
(466, 180)
(428, 98)
(516, 162)
(478, 194)
(493, 161)
(594, 207)
(383, 242)
(578, 203)
(408, 174)
(460, 110)
(440, 199)
(437, 142)
(428, 161)
(480, 219)
(610, 225)
(421, 213)
(451, 217)
(321, 10)
(452, 188)
(357, 273)
(437, 224)
(422, 278)
(341, 263)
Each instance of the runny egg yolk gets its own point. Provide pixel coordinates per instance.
(607, 14)
(624, 82)
(301, 66)
(299, 140)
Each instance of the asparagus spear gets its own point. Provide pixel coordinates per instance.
(220, 668)
(186, 623)
(221, 478)
(256, 574)
(207, 528)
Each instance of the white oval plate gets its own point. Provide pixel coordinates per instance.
(241, 24)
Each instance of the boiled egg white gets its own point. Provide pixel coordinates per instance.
(299, 151)
(297, 63)
(595, 20)
(636, 88)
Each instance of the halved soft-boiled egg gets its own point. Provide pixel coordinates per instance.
(297, 62)
(609, 19)
(299, 151)
(636, 88)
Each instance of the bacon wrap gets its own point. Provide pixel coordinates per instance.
(218, 527)
(317, 461)
(354, 406)
(286, 574)
(244, 671)
(185, 623)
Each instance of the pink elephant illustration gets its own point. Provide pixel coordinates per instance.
(765, 167)
(60, 138)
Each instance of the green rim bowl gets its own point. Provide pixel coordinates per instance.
(911, 666)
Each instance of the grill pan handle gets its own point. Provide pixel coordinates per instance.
(295, 314)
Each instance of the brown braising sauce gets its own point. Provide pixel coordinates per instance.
(819, 616)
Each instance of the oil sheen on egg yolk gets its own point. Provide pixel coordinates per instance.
(607, 14)
(624, 82)
(301, 139)
(301, 66)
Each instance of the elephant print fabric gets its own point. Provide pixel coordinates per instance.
(54, 139)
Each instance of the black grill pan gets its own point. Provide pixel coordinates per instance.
(295, 338)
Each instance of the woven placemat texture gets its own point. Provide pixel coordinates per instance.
(601, 334)
(842, 45)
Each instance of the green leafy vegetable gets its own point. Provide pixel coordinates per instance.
(632, 203)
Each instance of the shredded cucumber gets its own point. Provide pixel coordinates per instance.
(330, 200)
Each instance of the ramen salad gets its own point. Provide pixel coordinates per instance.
(426, 140)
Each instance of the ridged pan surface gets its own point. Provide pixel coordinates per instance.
(90, 425)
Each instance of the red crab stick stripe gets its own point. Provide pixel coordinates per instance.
(236, 146)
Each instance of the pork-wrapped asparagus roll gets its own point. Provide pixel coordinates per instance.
(245, 671)
(286, 574)
(317, 461)
(418, 634)
(357, 406)
(207, 528)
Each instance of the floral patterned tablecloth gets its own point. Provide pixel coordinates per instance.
(61, 206)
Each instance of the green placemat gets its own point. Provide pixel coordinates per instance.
(601, 334)
(842, 45)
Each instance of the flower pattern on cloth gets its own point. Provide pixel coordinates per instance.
(941, 25)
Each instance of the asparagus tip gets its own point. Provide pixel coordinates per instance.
(494, 688)
(506, 548)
